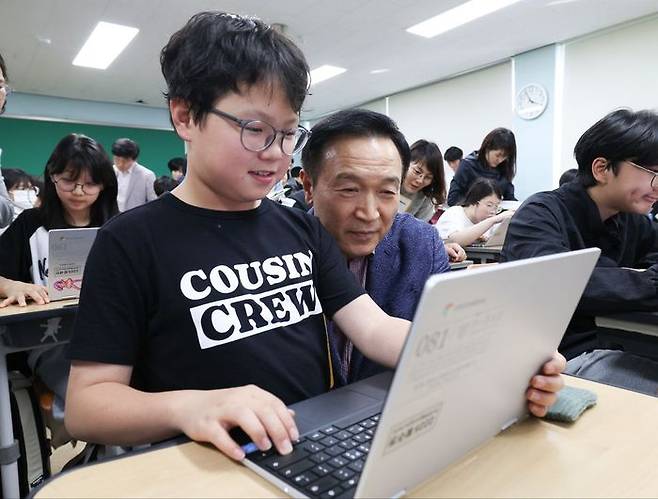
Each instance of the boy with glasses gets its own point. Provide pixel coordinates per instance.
(604, 207)
(229, 334)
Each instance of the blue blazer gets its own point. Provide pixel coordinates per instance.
(409, 253)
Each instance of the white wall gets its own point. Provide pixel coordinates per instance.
(456, 112)
(607, 71)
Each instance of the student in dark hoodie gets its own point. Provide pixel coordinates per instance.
(496, 160)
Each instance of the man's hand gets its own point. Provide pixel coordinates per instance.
(207, 416)
(19, 292)
(543, 388)
(455, 252)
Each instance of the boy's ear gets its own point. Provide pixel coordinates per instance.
(181, 118)
(601, 170)
(308, 186)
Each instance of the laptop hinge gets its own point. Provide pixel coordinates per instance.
(508, 424)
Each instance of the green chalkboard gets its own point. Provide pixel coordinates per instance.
(27, 144)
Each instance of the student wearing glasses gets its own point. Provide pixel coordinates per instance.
(495, 160)
(80, 190)
(423, 188)
(604, 207)
(230, 334)
(476, 217)
(6, 207)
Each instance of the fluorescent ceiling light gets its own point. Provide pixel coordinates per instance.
(325, 72)
(462, 14)
(104, 44)
(379, 71)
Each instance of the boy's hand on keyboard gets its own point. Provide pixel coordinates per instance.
(207, 416)
(543, 389)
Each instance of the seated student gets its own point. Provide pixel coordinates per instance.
(604, 207)
(568, 176)
(230, 334)
(22, 192)
(6, 208)
(353, 165)
(423, 188)
(177, 169)
(476, 217)
(496, 160)
(452, 157)
(80, 191)
(164, 184)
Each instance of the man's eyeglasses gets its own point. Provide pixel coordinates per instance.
(68, 185)
(654, 174)
(257, 135)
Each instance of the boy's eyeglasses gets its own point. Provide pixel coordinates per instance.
(7, 89)
(67, 185)
(654, 184)
(257, 135)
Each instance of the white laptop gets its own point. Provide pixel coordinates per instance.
(67, 254)
(477, 338)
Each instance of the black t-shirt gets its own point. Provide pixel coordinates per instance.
(201, 299)
(567, 219)
(24, 249)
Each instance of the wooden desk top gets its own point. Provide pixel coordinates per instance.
(611, 451)
(15, 312)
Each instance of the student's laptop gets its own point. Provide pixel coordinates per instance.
(477, 338)
(67, 255)
(497, 237)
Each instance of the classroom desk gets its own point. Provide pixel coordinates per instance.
(634, 332)
(26, 328)
(460, 265)
(612, 451)
(483, 254)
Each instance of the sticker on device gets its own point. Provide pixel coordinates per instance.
(412, 428)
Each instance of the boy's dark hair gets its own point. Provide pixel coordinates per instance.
(568, 176)
(480, 189)
(16, 178)
(351, 123)
(500, 138)
(295, 170)
(125, 148)
(78, 153)
(453, 154)
(621, 135)
(3, 68)
(215, 53)
(177, 165)
(428, 154)
(164, 184)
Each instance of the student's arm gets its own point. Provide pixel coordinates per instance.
(101, 407)
(469, 235)
(508, 195)
(536, 230)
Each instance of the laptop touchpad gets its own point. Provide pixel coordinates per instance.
(330, 407)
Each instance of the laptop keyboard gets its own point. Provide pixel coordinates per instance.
(325, 463)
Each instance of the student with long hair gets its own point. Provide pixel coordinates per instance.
(495, 160)
(475, 217)
(80, 190)
(423, 187)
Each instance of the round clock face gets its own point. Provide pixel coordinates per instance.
(531, 101)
